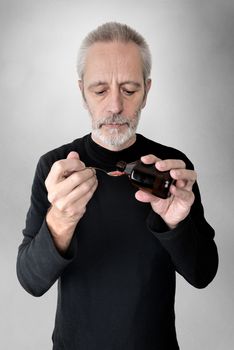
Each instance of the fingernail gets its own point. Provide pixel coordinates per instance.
(160, 164)
(174, 173)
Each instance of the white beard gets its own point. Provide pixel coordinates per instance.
(115, 137)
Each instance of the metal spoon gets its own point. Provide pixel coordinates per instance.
(109, 173)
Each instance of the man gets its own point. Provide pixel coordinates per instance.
(114, 249)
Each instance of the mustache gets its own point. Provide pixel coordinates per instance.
(114, 119)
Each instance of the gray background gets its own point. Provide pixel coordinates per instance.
(190, 107)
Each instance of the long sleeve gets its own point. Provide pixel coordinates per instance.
(39, 264)
(191, 244)
(117, 280)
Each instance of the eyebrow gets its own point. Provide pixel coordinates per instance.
(131, 82)
(96, 83)
(127, 82)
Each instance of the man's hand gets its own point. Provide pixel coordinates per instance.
(70, 186)
(175, 208)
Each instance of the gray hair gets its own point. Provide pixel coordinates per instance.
(110, 32)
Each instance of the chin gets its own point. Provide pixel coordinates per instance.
(113, 138)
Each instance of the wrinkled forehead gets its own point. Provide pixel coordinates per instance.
(113, 59)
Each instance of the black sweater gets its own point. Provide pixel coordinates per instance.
(116, 284)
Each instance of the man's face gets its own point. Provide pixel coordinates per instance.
(114, 92)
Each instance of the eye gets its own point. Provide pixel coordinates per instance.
(100, 93)
(129, 92)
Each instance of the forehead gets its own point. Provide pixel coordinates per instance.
(121, 60)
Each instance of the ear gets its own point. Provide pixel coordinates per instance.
(81, 86)
(147, 88)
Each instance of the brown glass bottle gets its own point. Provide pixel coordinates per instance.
(147, 178)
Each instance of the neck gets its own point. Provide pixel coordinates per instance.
(117, 148)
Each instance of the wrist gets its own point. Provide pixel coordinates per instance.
(61, 229)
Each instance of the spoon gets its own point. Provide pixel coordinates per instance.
(110, 173)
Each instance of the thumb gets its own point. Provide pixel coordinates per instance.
(73, 155)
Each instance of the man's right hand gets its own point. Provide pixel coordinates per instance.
(70, 186)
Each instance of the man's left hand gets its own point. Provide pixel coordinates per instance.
(177, 207)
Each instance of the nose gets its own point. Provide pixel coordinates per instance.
(115, 103)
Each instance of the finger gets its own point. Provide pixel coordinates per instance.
(186, 197)
(149, 159)
(146, 197)
(168, 164)
(78, 208)
(66, 186)
(73, 155)
(78, 177)
(80, 195)
(180, 183)
(63, 168)
(185, 185)
(184, 174)
(91, 191)
(92, 169)
(82, 189)
(188, 177)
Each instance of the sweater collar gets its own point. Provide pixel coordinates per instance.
(108, 159)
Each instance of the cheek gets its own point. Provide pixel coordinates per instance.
(134, 108)
(92, 106)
